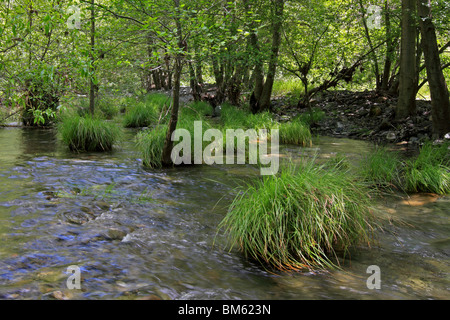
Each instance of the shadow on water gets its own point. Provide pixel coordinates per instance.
(139, 233)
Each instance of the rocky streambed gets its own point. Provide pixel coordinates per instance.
(363, 115)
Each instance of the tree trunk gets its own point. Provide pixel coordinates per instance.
(440, 104)
(168, 144)
(264, 100)
(406, 105)
(178, 68)
(92, 85)
(389, 49)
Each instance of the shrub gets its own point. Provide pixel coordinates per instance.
(299, 219)
(88, 133)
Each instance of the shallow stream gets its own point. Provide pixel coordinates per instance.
(137, 233)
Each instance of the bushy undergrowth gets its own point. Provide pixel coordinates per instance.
(104, 107)
(87, 133)
(302, 218)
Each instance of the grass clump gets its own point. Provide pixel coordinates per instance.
(144, 112)
(151, 144)
(140, 115)
(382, 169)
(197, 109)
(295, 132)
(234, 118)
(88, 133)
(312, 116)
(430, 170)
(302, 218)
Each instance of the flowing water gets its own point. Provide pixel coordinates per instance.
(137, 233)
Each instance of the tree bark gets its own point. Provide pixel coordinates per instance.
(92, 85)
(406, 105)
(178, 68)
(264, 100)
(440, 104)
(389, 49)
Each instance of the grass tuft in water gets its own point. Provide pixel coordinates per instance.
(82, 134)
(295, 132)
(151, 142)
(302, 218)
(430, 170)
(382, 169)
(145, 112)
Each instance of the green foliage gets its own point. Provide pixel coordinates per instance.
(382, 168)
(84, 134)
(430, 170)
(151, 144)
(146, 111)
(41, 95)
(197, 108)
(299, 219)
(295, 132)
(312, 116)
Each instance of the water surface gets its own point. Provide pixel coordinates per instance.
(138, 233)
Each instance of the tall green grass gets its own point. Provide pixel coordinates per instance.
(151, 142)
(306, 217)
(430, 170)
(295, 132)
(198, 108)
(311, 116)
(382, 169)
(140, 115)
(145, 111)
(88, 133)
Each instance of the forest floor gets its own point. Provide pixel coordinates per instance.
(363, 115)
